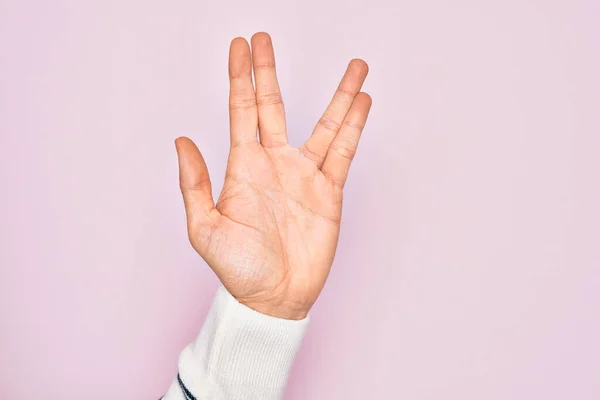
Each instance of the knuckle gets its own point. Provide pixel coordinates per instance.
(310, 154)
(336, 182)
(265, 99)
(242, 102)
(264, 65)
(344, 148)
(354, 125)
(240, 74)
(344, 96)
(329, 123)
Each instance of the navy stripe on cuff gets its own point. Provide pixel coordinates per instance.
(186, 392)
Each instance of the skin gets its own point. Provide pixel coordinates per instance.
(272, 235)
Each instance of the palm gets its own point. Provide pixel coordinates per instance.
(271, 236)
(280, 220)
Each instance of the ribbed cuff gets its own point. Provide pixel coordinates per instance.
(240, 350)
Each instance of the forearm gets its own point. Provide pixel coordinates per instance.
(239, 354)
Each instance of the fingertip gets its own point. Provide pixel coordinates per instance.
(238, 41)
(239, 47)
(260, 37)
(360, 65)
(240, 63)
(364, 98)
(180, 140)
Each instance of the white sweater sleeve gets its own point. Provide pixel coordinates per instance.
(240, 354)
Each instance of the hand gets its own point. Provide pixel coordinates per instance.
(272, 235)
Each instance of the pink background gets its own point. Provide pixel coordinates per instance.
(468, 265)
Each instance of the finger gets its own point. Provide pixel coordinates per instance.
(330, 123)
(243, 118)
(194, 183)
(342, 149)
(271, 113)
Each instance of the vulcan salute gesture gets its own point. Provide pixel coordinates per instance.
(271, 236)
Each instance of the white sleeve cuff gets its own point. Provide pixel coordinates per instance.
(239, 354)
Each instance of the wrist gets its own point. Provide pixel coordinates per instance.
(277, 310)
(283, 301)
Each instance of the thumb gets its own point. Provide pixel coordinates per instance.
(195, 186)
